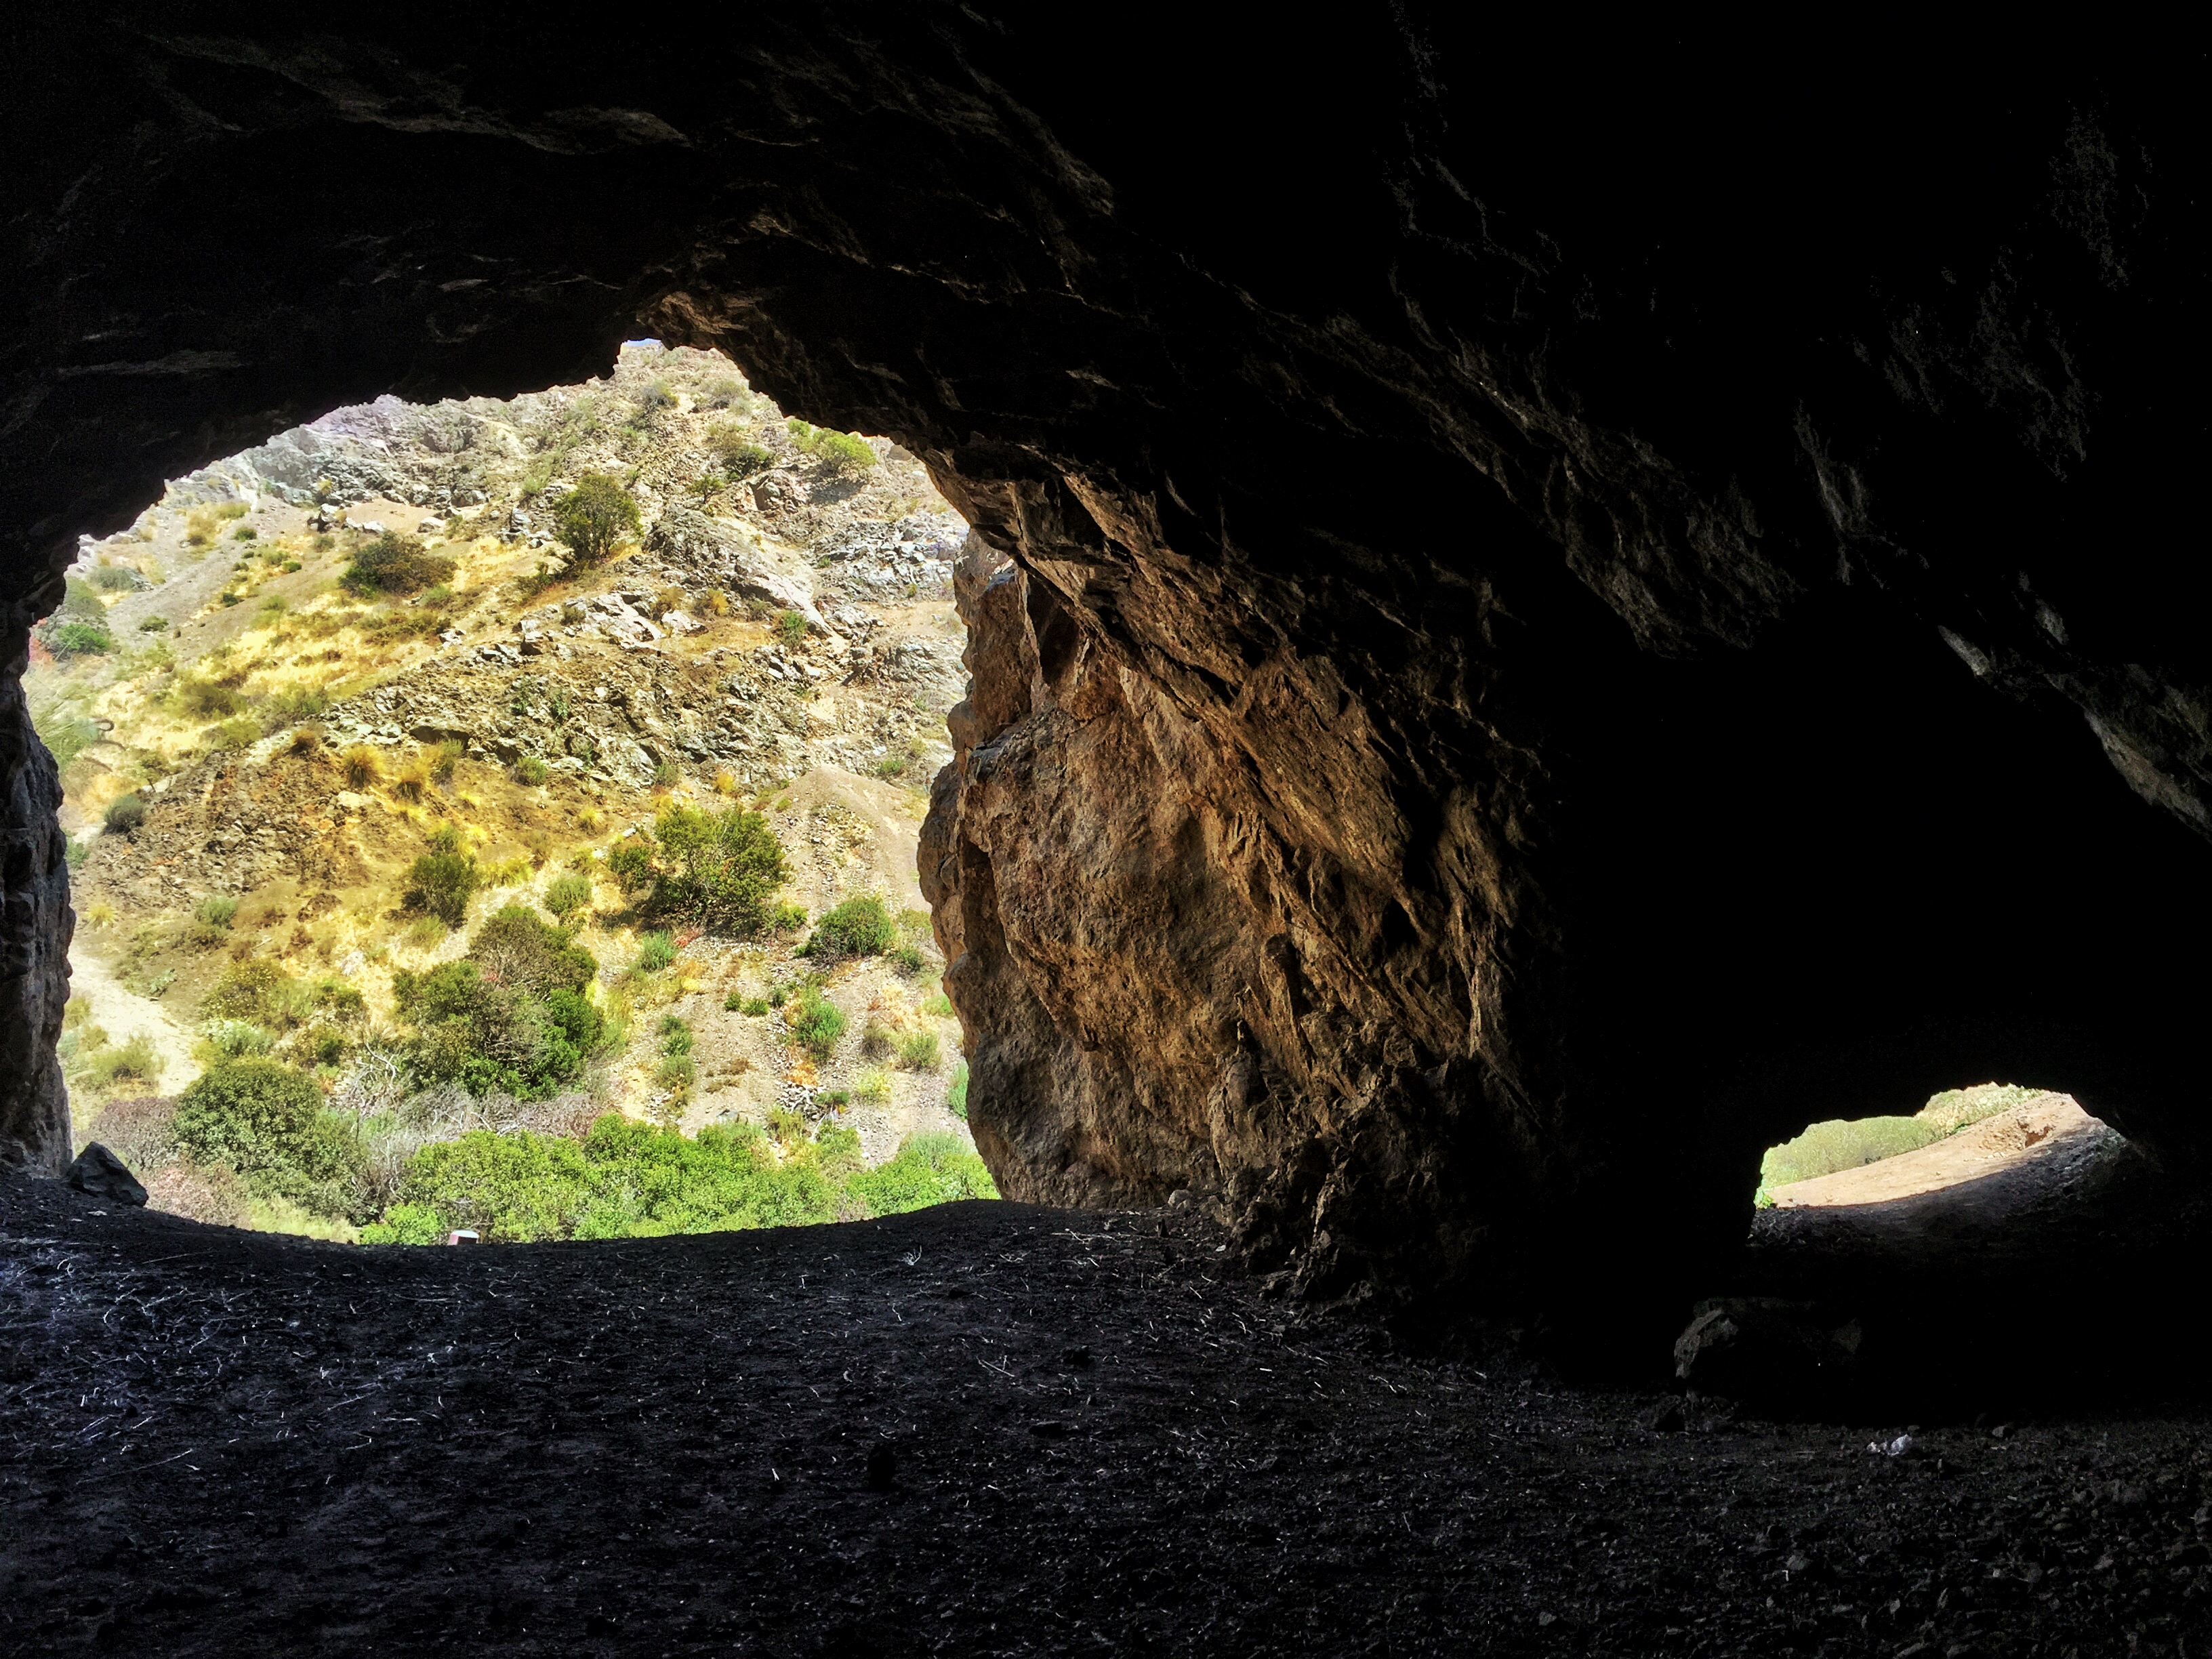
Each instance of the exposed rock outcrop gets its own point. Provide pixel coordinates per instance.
(1490, 722)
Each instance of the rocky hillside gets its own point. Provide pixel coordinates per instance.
(255, 754)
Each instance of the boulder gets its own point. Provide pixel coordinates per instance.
(722, 554)
(98, 1173)
(1767, 1351)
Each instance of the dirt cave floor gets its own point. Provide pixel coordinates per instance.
(1100, 1440)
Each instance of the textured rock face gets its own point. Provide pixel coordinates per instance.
(1565, 614)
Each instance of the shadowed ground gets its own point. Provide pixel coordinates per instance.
(221, 1443)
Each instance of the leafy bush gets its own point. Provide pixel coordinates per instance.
(917, 1051)
(676, 1072)
(82, 639)
(790, 627)
(676, 1035)
(510, 1016)
(215, 910)
(566, 895)
(153, 624)
(264, 1118)
(530, 770)
(955, 1097)
(625, 1179)
(938, 1007)
(858, 926)
(115, 578)
(929, 1169)
(236, 1039)
(125, 814)
(442, 880)
(732, 445)
(140, 1129)
(394, 564)
(667, 775)
(81, 599)
(816, 1023)
(592, 519)
(244, 533)
(873, 1087)
(654, 952)
(713, 869)
(840, 453)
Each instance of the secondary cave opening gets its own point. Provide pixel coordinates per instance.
(501, 814)
(1944, 1261)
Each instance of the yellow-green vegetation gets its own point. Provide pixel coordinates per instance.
(596, 517)
(1848, 1143)
(629, 1180)
(713, 869)
(842, 454)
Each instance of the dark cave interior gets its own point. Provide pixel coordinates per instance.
(1586, 610)
(1546, 613)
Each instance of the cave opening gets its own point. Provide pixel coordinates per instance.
(367, 732)
(1923, 1263)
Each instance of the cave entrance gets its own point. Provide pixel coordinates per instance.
(1947, 1261)
(413, 836)
(1991, 1146)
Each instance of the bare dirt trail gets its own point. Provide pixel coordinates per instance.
(123, 1015)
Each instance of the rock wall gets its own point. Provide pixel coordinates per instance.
(1570, 608)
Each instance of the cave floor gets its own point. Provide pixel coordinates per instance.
(1105, 1442)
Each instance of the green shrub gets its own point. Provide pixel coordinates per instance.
(655, 952)
(939, 1006)
(676, 1072)
(215, 910)
(442, 880)
(955, 1097)
(874, 1086)
(733, 447)
(717, 870)
(82, 639)
(510, 1017)
(929, 1169)
(566, 895)
(788, 919)
(592, 519)
(908, 959)
(856, 928)
(244, 533)
(917, 1051)
(262, 991)
(398, 564)
(236, 1039)
(734, 1001)
(114, 579)
(818, 1024)
(253, 1115)
(153, 624)
(676, 1035)
(790, 627)
(530, 770)
(81, 599)
(626, 1179)
(667, 775)
(125, 814)
(841, 454)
